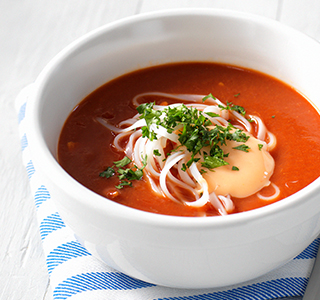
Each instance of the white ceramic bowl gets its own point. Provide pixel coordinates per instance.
(176, 251)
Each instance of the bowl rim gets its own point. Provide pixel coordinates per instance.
(61, 177)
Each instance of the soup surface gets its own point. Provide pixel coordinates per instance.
(86, 148)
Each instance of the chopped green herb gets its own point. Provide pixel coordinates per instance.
(238, 109)
(239, 136)
(237, 95)
(234, 168)
(130, 174)
(273, 116)
(209, 96)
(109, 172)
(156, 152)
(212, 162)
(231, 106)
(260, 146)
(195, 130)
(123, 162)
(151, 116)
(123, 183)
(125, 175)
(242, 147)
(144, 161)
(212, 115)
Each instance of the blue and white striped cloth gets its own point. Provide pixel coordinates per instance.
(75, 274)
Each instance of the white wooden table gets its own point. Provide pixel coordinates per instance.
(31, 33)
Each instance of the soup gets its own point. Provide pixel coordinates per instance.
(264, 121)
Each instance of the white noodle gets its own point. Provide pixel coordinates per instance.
(118, 138)
(227, 203)
(158, 129)
(128, 122)
(203, 188)
(240, 118)
(133, 137)
(186, 97)
(272, 197)
(217, 204)
(262, 130)
(272, 141)
(184, 175)
(136, 125)
(175, 182)
(172, 160)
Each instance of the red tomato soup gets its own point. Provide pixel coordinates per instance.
(86, 148)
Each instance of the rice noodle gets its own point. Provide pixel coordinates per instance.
(272, 141)
(273, 196)
(203, 188)
(186, 97)
(159, 168)
(171, 161)
(243, 121)
(227, 203)
(262, 130)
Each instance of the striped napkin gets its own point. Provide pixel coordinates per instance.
(75, 274)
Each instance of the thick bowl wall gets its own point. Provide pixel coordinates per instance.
(176, 251)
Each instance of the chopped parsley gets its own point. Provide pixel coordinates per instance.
(109, 172)
(212, 162)
(234, 168)
(122, 184)
(207, 97)
(156, 152)
(123, 162)
(260, 146)
(238, 109)
(231, 106)
(242, 147)
(125, 175)
(196, 131)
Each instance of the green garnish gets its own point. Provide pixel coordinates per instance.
(207, 97)
(234, 168)
(260, 146)
(151, 116)
(123, 162)
(109, 172)
(184, 167)
(125, 175)
(231, 106)
(242, 147)
(237, 95)
(212, 115)
(238, 109)
(122, 184)
(130, 174)
(156, 152)
(212, 162)
(195, 131)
